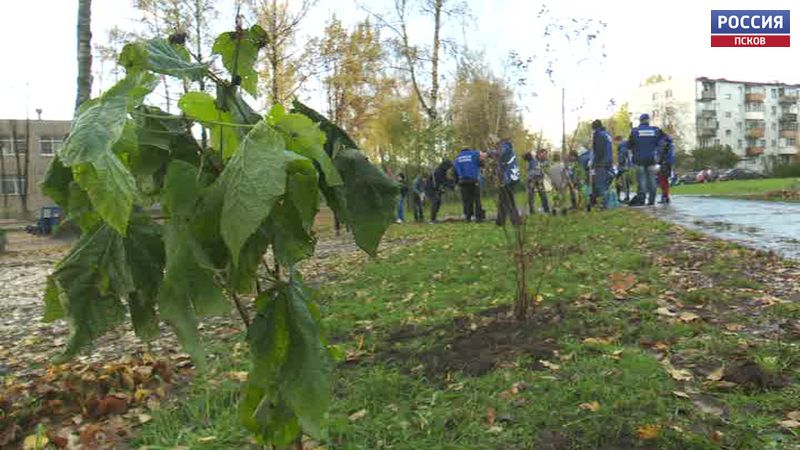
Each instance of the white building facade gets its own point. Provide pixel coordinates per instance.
(759, 121)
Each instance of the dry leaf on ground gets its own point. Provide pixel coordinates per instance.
(358, 415)
(716, 375)
(648, 432)
(592, 406)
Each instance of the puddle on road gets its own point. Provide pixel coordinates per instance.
(771, 226)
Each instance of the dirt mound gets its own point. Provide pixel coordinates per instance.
(477, 349)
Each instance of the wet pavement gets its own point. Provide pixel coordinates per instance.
(773, 226)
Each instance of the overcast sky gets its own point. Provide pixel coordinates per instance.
(641, 38)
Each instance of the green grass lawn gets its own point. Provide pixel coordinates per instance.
(632, 321)
(739, 187)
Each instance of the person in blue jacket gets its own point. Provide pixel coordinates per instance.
(643, 143)
(537, 167)
(467, 167)
(666, 160)
(508, 175)
(624, 169)
(602, 162)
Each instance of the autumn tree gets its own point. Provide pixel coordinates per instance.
(285, 66)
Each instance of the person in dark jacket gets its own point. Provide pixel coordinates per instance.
(624, 169)
(666, 160)
(436, 185)
(467, 167)
(401, 204)
(508, 177)
(643, 143)
(602, 161)
(537, 167)
(418, 197)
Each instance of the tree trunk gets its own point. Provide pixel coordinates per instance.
(84, 52)
(437, 4)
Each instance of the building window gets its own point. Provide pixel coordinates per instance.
(774, 126)
(9, 146)
(790, 142)
(774, 110)
(12, 185)
(739, 143)
(754, 107)
(774, 95)
(668, 94)
(655, 95)
(728, 114)
(728, 96)
(772, 143)
(716, 141)
(727, 132)
(739, 126)
(762, 143)
(48, 146)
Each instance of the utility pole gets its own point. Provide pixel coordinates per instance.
(563, 127)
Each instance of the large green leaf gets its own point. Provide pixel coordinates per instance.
(203, 108)
(88, 283)
(160, 56)
(253, 180)
(144, 252)
(89, 149)
(306, 376)
(291, 242)
(303, 136)
(56, 182)
(239, 52)
(242, 277)
(370, 198)
(335, 137)
(301, 190)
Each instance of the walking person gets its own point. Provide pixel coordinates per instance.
(508, 176)
(625, 169)
(602, 160)
(401, 204)
(436, 185)
(467, 166)
(666, 160)
(418, 197)
(537, 166)
(560, 179)
(643, 142)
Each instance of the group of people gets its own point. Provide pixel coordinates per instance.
(647, 156)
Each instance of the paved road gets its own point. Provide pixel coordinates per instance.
(766, 225)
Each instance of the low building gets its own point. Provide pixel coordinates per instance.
(759, 121)
(26, 149)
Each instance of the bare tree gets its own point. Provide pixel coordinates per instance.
(84, 52)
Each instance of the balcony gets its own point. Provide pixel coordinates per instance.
(788, 150)
(754, 97)
(754, 115)
(788, 98)
(788, 117)
(708, 95)
(708, 113)
(707, 128)
(754, 151)
(755, 133)
(789, 133)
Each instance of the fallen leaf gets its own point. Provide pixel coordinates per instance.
(708, 408)
(206, 439)
(687, 317)
(358, 415)
(495, 429)
(35, 442)
(592, 406)
(648, 432)
(599, 340)
(717, 436)
(681, 394)
(794, 415)
(716, 375)
(144, 418)
(789, 424)
(491, 415)
(734, 327)
(663, 311)
(549, 365)
(677, 374)
(621, 283)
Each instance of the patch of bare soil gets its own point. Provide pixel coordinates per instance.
(475, 349)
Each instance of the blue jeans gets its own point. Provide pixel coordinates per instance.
(401, 208)
(646, 182)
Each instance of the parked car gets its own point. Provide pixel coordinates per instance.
(688, 178)
(740, 174)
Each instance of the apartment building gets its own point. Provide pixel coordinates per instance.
(26, 149)
(759, 121)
